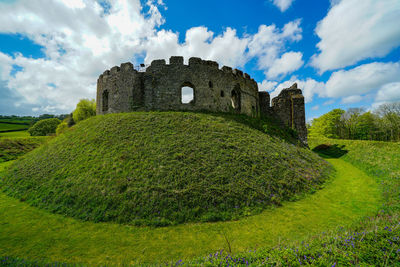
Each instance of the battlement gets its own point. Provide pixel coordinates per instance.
(163, 86)
(174, 61)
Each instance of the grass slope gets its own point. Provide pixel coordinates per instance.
(11, 148)
(34, 234)
(371, 241)
(161, 168)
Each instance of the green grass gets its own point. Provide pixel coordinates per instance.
(164, 168)
(379, 159)
(371, 241)
(8, 127)
(14, 134)
(13, 147)
(16, 120)
(31, 233)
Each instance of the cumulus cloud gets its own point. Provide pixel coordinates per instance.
(283, 5)
(362, 79)
(81, 38)
(329, 102)
(227, 48)
(268, 45)
(288, 63)
(388, 93)
(381, 80)
(310, 87)
(267, 85)
(351, 99)
(316, 107)
(354, 30)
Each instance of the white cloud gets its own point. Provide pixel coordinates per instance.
(379, 80)
(388, 93)
(268, 45)
(362, 79)
(227, 48)
(310, 87)
(288, 63)
(354, 30)
(267, 85)
(283, 5)
(329, 102)
(316, 107)
(5, 66)
(352, 99)
(80, 40)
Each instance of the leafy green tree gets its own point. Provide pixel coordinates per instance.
(390, 113)
(84, 109)
(328, 125)
(350, 120)
(44, 127)
(366, 126)
(62, 127)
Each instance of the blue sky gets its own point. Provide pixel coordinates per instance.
(341, 53)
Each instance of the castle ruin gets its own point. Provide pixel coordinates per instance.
(161, 85)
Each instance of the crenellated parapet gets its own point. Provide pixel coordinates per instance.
(160, 87)
(200, 85)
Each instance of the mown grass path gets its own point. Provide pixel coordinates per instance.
(32, 234)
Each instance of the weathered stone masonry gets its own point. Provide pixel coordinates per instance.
(124, 89)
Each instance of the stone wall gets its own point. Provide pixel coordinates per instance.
(124, 89)
(289, 108)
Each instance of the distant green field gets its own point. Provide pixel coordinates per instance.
(8, 127)
(14, 134)
(16, 120)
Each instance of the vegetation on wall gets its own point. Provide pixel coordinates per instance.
(383, 124)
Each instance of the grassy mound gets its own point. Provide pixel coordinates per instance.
(163, 168)
(12, 148)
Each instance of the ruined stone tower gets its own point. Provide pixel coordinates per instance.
(160, 87)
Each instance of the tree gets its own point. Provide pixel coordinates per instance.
(62, 127)
(328, 125)
(44, 127)
(350, 120)
(84, 109)
(366, 126)
(390, 113)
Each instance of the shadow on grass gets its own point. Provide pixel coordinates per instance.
(330, 151)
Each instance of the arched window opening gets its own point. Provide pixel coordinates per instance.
(235, 98)
(187, 94)
(222, 93)
(210, 84)
(105, 101)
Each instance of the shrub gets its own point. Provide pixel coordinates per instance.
(84, 109)
(62, 127)
(44, 127)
